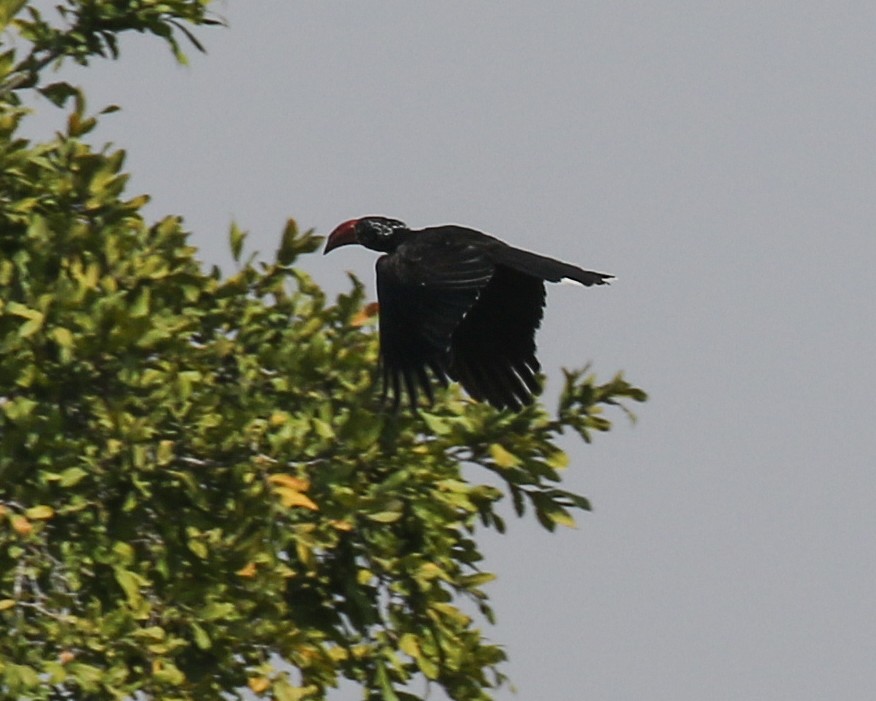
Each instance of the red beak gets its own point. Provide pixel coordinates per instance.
(343, 235)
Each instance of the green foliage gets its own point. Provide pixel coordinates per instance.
(199, 491)
(84, 29)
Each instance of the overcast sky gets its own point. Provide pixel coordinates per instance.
(720, 159)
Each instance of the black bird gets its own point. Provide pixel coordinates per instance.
(460, 303)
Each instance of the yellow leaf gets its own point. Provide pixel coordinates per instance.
(248, 570)
(430, 570)
(408, 644)
(284, 691)
(305, 554)
(385, 516)
(558, 460)
(562, 518)
(25, 312)
(338, 654)
(278, 418)
(502, 457)
(360, 651)
(62, 336)
(29, 328)
(447, 611)
(341, 525)
(258, 684)
(137, 202)
(6, 604)
(164, 454)
(8, 10)
(21, 525)
(291, 497)
(296, 483)
(40, 512)
(364, 315)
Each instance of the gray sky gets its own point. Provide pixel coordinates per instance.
(719, 158)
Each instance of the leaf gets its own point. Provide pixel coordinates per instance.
(168, 673)
(165, 453)
(479, 579)
(236, 237)
(20, 676)
(296, 483)
(62, 336)
(59, 93)
(217, 610)
(385, 516)
(199, 548)
(258, 684)
(287, 253)
(21, 525)
(29, 328)
(191, 37)
(385, 683)
(292, 497)
(365, 315)
(202, 640)
(449, 611)
(40, 513)
(77, 126)
(502, 457)
(140, 307)
(284, 691)
(429, 570)
(8, 10)
(124, 551)
(19, 408)
(293, 243)
(549, 512)
(323, 429)
(562, 517)
(130, 583)
(248, 570)
(34, 316)
(408, 644)
(558, 459)
(7, 59)
(439, 425)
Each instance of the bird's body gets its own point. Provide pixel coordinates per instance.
(459, 304)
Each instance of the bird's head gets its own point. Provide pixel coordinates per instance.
(376, 233)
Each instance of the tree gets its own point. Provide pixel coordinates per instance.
(199, 491)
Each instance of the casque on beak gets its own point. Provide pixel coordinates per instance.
(343, 235)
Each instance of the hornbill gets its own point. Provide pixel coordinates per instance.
(460, 303)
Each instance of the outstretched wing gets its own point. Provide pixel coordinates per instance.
(425, 288)
(493, 347)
